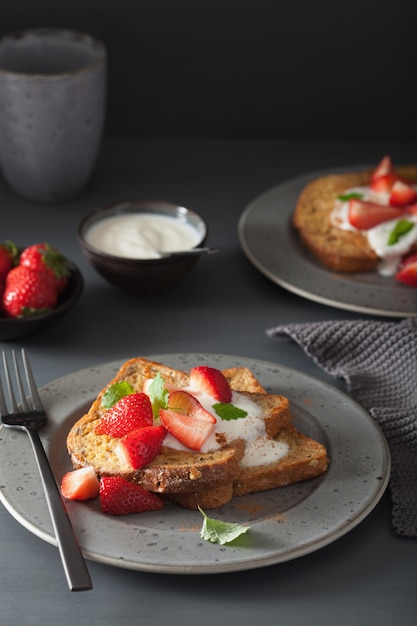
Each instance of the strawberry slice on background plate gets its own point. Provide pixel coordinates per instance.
(411, 209)
(385, 183)
(364, 215)
(407, 270)
(384, 167)
(402, 194)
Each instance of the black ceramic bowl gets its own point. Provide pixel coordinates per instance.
(141, 276)
(11, 329)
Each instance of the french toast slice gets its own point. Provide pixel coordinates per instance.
(174, 471)
(306, 458)
(337, 249)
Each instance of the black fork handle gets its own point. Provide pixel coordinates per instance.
(75, 568)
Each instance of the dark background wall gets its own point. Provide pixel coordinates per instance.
(248, 68)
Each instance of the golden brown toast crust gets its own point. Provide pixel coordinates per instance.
(212, 498)
(306, 458)
(339, 250)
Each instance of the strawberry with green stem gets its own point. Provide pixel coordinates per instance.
(129, 413)
(9, 255)
(28, 292)
(42, 257)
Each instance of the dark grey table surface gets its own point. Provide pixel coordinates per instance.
(368, 576)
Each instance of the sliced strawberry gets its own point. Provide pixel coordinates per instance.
(80, 484)
(407, 271)
(402, 194)
(183, 402)
(384, 167)
(189, 430)
(411, 209)
(365, 215)
(211, 381)
(120, 497)
(129, 413)
(187, 420)
(140, 446)
(384, 183)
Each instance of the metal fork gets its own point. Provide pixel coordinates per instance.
(29, 416)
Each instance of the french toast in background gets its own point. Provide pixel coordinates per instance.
(337, 249)
(192, 478)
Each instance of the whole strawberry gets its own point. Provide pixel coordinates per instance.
(28, 292)
(130, 412)
(8, 259)
(44, 258)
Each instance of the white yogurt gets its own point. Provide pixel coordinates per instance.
(259, 449)
(263, 451)
(142, 235)
(377, 236)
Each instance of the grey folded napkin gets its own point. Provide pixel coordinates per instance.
(378, 361)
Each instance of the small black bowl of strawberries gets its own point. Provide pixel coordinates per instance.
(38, 286)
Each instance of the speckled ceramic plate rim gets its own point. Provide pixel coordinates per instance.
(317, 512)
(269, 241)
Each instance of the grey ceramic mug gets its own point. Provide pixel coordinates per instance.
(52, 111)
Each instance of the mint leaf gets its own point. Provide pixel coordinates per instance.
(220, 532)
(400, 229)
(350, 196)
(115, 392)
(158, 394)
(228, 411)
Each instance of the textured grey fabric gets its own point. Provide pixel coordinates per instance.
(378, 361)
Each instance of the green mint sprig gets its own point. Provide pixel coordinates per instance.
(400, 229)
(158, 394)
(115, 392)
(220, 532)
(228, 411)
(350, 196)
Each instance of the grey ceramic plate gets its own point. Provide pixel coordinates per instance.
(285, 523)
(271, 244)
